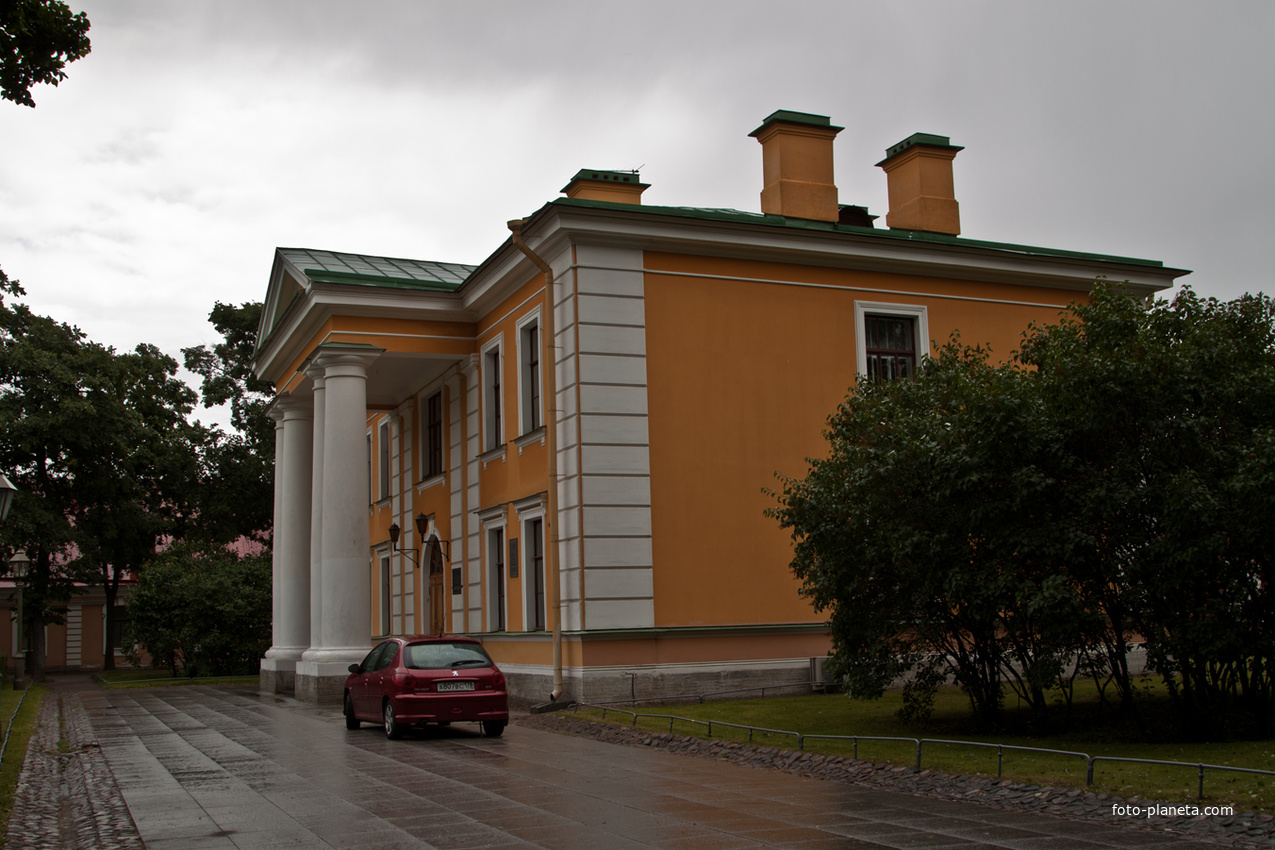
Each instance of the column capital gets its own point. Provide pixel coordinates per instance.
(289, 407)
(340, 359)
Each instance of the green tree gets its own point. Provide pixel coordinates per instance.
(49, 389)
(902, 535)
(38, 38)
(1016, 525)
(101, 451)
(137, 490)
(238, 468)
(201, 612)
(1166, 411)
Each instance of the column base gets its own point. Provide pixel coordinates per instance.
(278, 676)
(322, 682)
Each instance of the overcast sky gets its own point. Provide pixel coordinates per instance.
(198, 136)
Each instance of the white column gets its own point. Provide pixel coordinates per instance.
(347, 597)
(276, 554)
(316, 510)
(292, 530)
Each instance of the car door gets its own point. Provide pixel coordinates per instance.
(363, 691)
(377, 679)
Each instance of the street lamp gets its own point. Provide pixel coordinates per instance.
(6, 496)
(18, 565)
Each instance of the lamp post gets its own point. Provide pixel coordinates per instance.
(18, 569)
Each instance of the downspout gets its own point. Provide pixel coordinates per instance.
(550, 357)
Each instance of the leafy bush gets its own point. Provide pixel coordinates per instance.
(201, 612)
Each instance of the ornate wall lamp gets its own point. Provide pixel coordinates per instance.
(422, 525)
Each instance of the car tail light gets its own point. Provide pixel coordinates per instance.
(401, 678)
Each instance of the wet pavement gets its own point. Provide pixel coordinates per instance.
(202, 767)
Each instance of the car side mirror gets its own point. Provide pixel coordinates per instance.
(354, 668)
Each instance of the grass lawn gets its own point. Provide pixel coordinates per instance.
(15, 753)
(130, 678)
(1093, 733)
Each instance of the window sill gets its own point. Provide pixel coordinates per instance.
(432, 481)
(530, 437)
(498, 453)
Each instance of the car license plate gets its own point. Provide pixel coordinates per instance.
(455, 686)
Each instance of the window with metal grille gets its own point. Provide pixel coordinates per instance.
(890, 347)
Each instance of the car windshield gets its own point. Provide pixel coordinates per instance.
(441, 656)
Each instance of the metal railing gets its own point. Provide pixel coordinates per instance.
(813, 685)
(919, 744)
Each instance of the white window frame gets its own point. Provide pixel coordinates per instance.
(530, 419)
(384, 458)
(918, 313)
(384, 580)
(497, 576)
(530, 510)
(493, 392)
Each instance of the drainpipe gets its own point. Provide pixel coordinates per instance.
(551, 444)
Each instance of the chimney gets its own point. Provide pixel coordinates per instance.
(796, 156)
(919, 179)
(618, 187)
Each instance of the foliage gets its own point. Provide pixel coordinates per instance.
(238, 468)
(101, 451)
(201, 612)
(998, 523)
(37, 40)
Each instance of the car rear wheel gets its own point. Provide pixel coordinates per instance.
(393, 729)
(351, 722)
(493, 728)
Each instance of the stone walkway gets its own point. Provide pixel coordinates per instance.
(202, 767)
(66, 795)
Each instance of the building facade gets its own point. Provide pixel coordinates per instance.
(565, 450)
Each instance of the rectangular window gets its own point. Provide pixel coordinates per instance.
(386, 591)
(890, 340)
(536, 565)
(119, 619)
(383, 456)
(494, 437)
(432, 450)
(890, 347)
(496, 571)
(529, 376)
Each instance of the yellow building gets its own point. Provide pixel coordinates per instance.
(695, 352)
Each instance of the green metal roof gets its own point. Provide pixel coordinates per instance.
(739, 216)
(787, 116)
(339, 267)
(602, 175)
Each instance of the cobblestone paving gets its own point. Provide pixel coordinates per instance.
(1244, 829)
(211, 768)
(67, 797)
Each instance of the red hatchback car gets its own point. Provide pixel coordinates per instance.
(427, 679)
